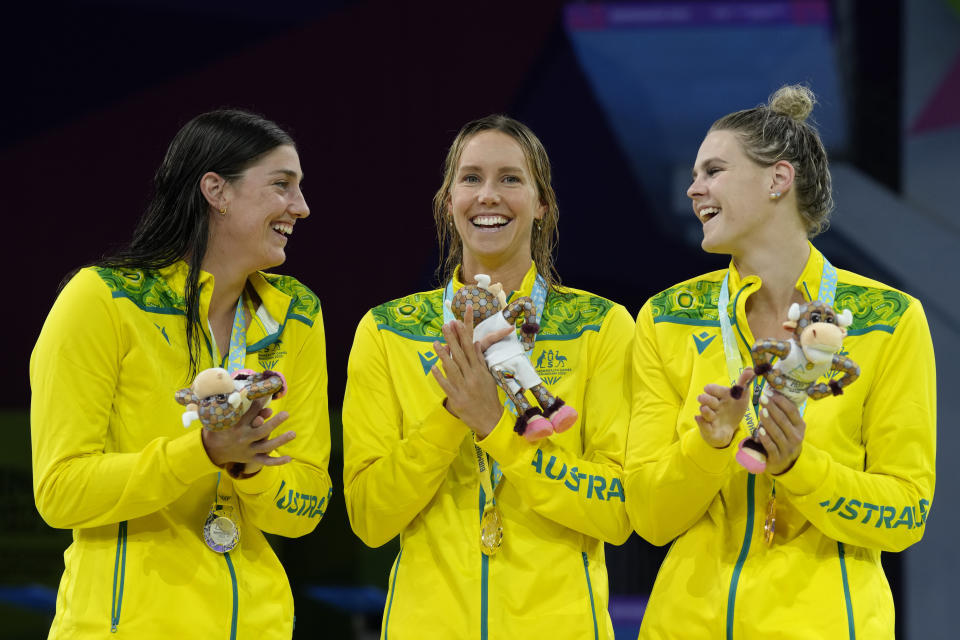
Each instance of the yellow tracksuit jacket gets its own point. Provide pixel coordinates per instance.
(410, 470)
(112, 461)
(863, 482)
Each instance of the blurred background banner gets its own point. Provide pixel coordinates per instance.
(373, 92)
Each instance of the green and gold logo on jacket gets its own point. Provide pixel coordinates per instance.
(551, 365)
(271, 354)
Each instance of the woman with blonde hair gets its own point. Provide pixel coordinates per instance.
(793, 550)
(500, 537)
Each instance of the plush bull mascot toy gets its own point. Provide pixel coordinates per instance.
(507, 359)
(812, 352)
(218, 399)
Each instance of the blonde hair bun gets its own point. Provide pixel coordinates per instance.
(794, 100)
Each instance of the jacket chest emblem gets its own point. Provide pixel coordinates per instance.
(427, 359)
(270, 355)
(703, 340)
(552, 365)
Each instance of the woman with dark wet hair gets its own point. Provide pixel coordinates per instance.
(168, 523)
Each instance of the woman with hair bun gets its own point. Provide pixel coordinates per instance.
(792, 551)
(168, 523)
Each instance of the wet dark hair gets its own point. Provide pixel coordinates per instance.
(778, 131)
(544, 236)
(175, 224)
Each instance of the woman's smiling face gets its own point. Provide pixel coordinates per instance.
(494, 200)
(730, 194)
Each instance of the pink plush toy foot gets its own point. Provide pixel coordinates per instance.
(538, 428)
(751, 456)
(563, 418)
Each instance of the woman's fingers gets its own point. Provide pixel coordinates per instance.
(266, 446)
(271, 461)
(709, 400)
(450, 367)
(745, 377)
(495, 337)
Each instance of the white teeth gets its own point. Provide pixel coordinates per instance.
(706, 212)
(283, 227)
(490, 221)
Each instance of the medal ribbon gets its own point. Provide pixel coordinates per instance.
(826, 293)
(539, 297)
(237, 352)
(236, 356)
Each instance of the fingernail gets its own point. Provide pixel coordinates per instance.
(766, 414)
(763, 431)
(764, 398)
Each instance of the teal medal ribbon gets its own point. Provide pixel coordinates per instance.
(491, 523)
(826, 293)
(220, 530)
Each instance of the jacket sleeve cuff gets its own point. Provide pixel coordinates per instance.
(808, 472)
(259, 482)
(504, 445)
(188, 458)
(443, 430)
(708, 459)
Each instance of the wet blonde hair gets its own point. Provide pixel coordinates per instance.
(778, 131)
(544, 236)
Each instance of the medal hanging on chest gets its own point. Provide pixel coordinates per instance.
(220, 531)
(491, 522)
(491, 530)
(770, 522)
(826, 292)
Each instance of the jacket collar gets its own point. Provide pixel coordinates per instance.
(270, 312)
(808, 283)
(526, 287)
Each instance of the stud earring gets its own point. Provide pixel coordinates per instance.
(223, 211)
(775, 195)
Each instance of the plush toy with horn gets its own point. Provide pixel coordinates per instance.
(812, 352)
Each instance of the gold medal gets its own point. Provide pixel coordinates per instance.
(491, 530)
(220, 532)
(770, 524)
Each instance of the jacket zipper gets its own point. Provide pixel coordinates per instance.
(393, 590)
(233, 581)
(593, 608)
(744, 550)
(119, 572)
(851, 630)
(484, 575)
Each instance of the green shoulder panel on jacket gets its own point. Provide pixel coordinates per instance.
(693, 300)
(306, 305)
(570, 312)
(146, 289)
(417, 316)
(873, 308)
